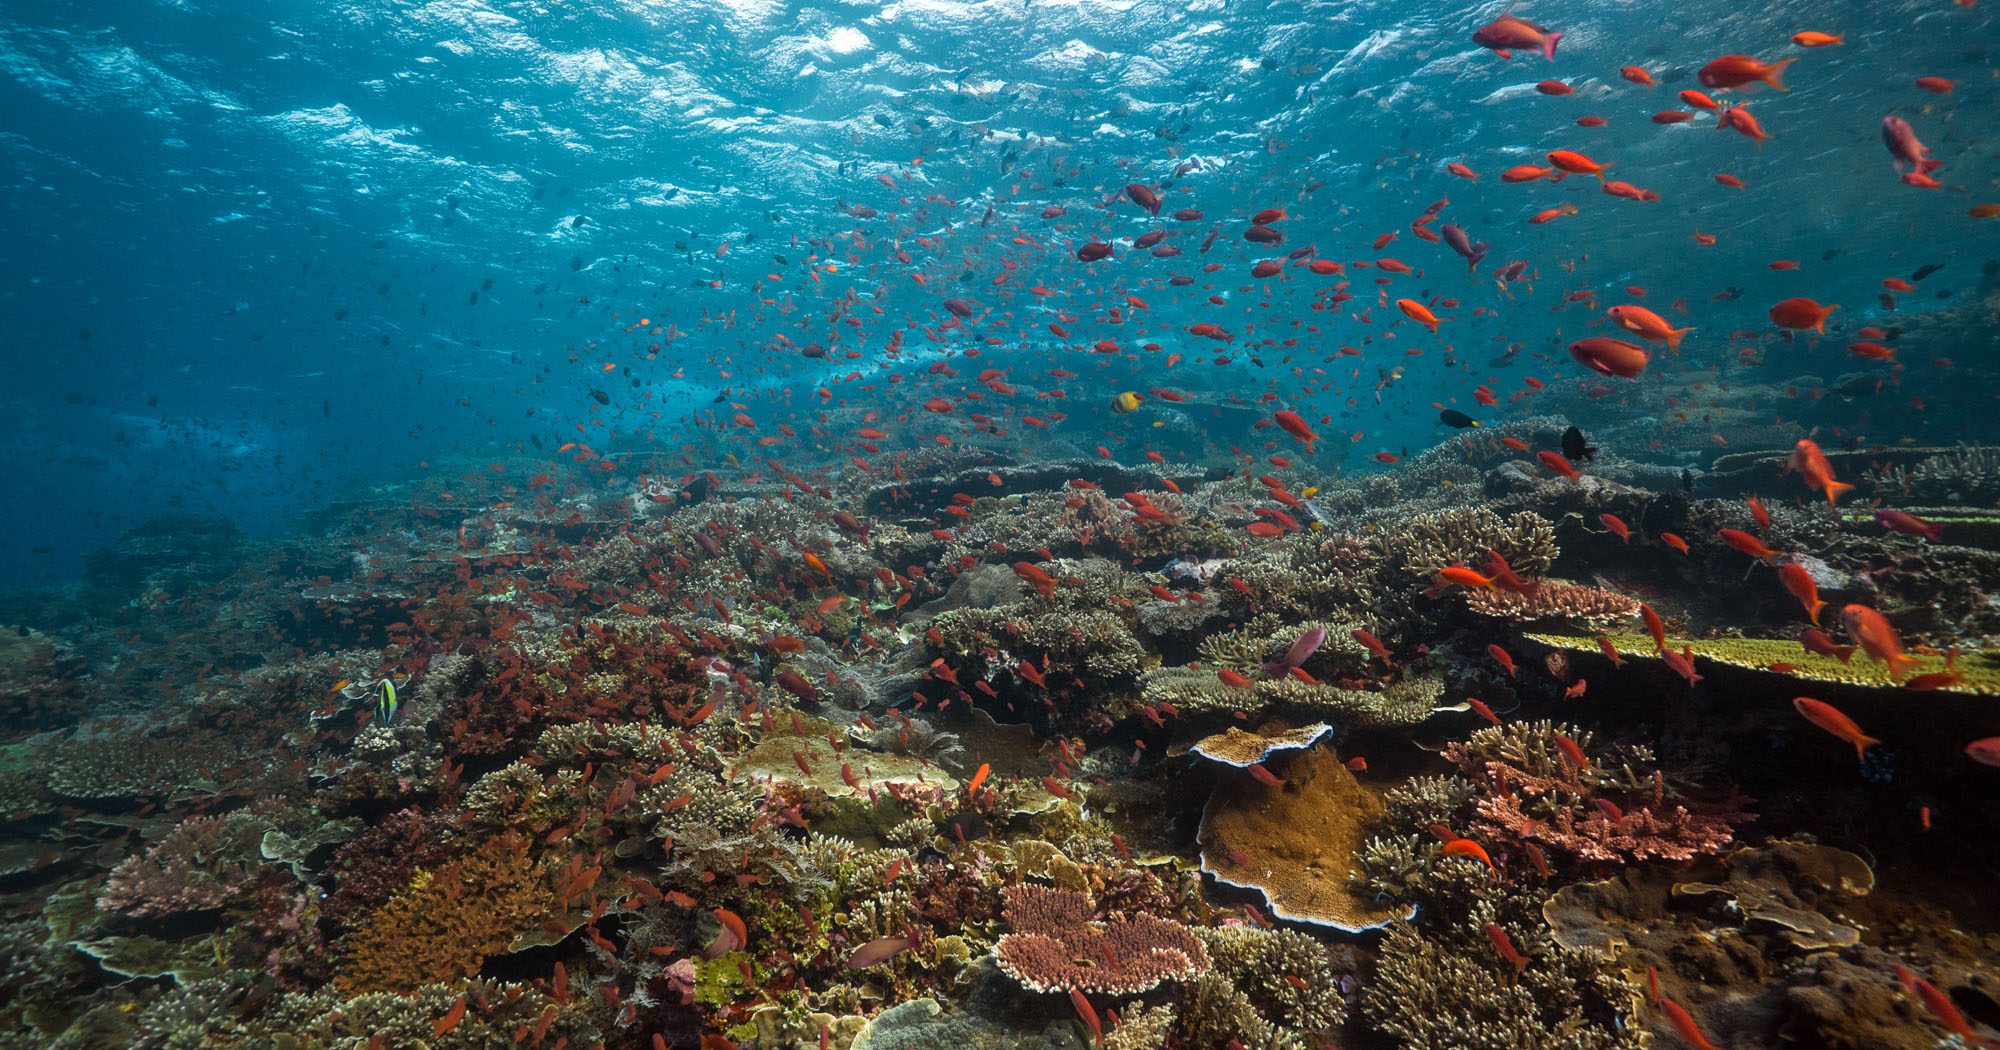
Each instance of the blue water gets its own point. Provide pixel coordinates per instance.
(257, 256)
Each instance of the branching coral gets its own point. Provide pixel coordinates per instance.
(1055, 945)
(1613, 806)
(446, 922)
(1268, 988)
(1434, 993)
(1553, 600)
(204, 863)
(1426, 543)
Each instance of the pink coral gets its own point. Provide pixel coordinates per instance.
(204, 863)
(1553, 600)
(1056, 947)
(1641, 833)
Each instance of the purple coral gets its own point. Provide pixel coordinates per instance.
(203, 864)
(1055, 947)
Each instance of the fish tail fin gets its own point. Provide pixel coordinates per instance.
(1844, 652)
(1898, 663)
(1674, 336)
(1812, 611)
(1549, 45)
(1834, 490)
(1935, 532)
(1861, 746)
(1774, 76)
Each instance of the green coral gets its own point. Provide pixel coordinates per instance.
(1981, 669)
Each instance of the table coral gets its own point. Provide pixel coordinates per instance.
(1057, 943)
(1295, 842)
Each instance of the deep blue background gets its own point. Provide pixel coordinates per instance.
(258, 254)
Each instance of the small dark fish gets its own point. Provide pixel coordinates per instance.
(1574, 447)
(600, 396)
(1452, 417)
(1926, 270)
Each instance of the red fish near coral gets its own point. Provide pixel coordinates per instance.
(1871, 630)
(1800, 584)
(1811, 463)
(1295, 425)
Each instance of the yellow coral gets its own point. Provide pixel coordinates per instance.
(1981, 670)
(444, 924)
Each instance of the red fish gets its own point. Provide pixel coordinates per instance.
(1577, 163)
(1905, 147)
(1507, 34)
(1683, 1023)
(1830, 718)
(1817, 641)
(1748, 544)
(1617, 526)
(1468, 848)
(1610, 357)
(1295, 425)
(1872, 631)
(1800, 583)
(1799, 313)
(1556, 462)
(1908, 524)
(1812, 465)
(1505, 946)
(1735, 71)
(1503, 658)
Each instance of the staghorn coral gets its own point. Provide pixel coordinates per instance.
(1553, 600)
(1422, 801)
(1268, 988)
(1435, 993)
(446, 922)
(1054, 945)
(1425, 543)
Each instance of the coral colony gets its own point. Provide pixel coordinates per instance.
(737, 772)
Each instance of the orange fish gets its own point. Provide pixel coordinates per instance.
(1577, 163)
(1468, 848)
(1830, 718)
(1556, 462)
(1460, 576)
(1800, 583)
(1812, 465)
(1295, 425)
(1419, 313)
(1683, 1022)
(1748, 544)
(1673, 540)
(1617, 526)
(1813, 39)
(1799, 313)
(1872, 631)
(1611, 357)
(1648, 325)
(1735, 71)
